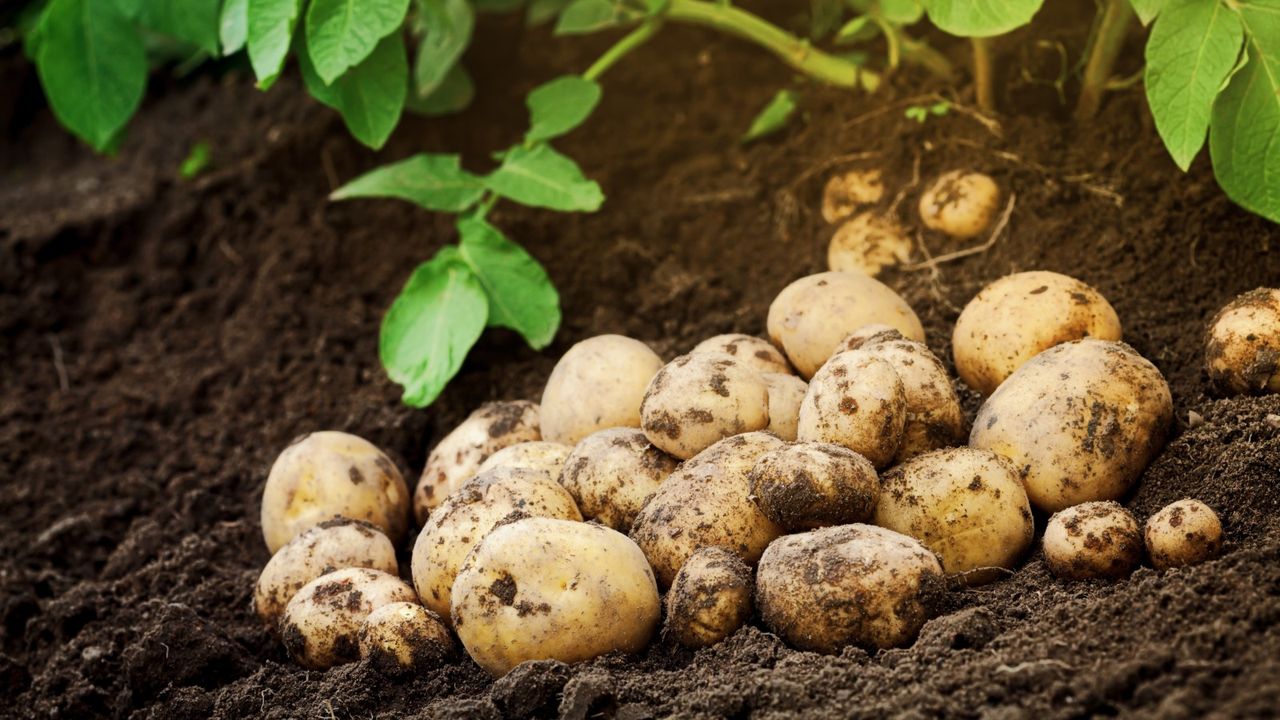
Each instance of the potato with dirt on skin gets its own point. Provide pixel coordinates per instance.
(701, 398)
(613, 473)
(1093, 540)
(808, 485)
(404, 636)
(846, 192)
(960, 204)
(856, 400)
(1242, 349)
(709, 599)
(597, 384)
(539, 455)
(1186, 532)
(756, 353)
(321, 624)
(547, 589)
(786, 392)
(325, 475)
(867, 244)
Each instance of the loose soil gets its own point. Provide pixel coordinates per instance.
(162, 340)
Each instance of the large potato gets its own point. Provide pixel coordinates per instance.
(856, 400)
(545, 457)
(786, 392)
(810, 485)
(613, 473)
(598, 384)
(321, 624)
(1092, 540)
(756, 353)
(1080, 421)
(699, 399)
(960, 204)
(1242, 350)
(404, 636)
(540, 589)
(709, 599)
(1183, 533)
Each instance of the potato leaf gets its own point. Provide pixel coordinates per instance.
(1147, 10)
(193, 21)
(370, 96)
(520, 294)
(342, 33)
(233, 27)
(450, 96)
(980, 18)
(773, 117)
(447, 25)
(559, 106)
(539, 176)
(588, 16)
(434, 182)
(902, 12)
(271, 24)
(540, 11)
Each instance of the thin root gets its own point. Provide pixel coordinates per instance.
(932, 263)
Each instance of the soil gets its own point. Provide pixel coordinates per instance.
(163, 340)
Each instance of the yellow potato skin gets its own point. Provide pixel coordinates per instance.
(756, 353)
(709, 599)
(404, 636)
(846, 192)
(321, 624)
(701, 398)
(613, 473)
(1092, 540)
(1242, 347)
(597, 384)
(1186, 532)
(539, 455)
(867, 244)
(808, 485)
(856, 400)
(786, 392)
(960, 204)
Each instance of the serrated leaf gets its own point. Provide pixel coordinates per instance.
(434, 182)
(773, 117)
(447, 25)
(450, 96)
(271, 25)
(521, 296)
(540, 11)
(1147, 10)
(370, 96)
(233, 27)
(194, 21)
(901, 12)
(559, 106)
(980, 18)
(539, 176)
(342, 33)
(588, 16)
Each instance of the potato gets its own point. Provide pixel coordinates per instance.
(847, 585)
(960, 204)
(404, 636)
(468, 515)
(332, 474)
(331, 545)
(812, 315)
(756, 353)
(847, 192)
(786, 392)
(709, 599)
(810, 485)
(598, 384)
(321, 624)
(1186, 532)
(1242, 350)
(964, 504)
(1097, 539)
(542, 588)
(699, 399)
(613, 473)
(545, 457)
(1080, 421)
(457, 458)
(867, 244)
(1019, 316)
(856, 400)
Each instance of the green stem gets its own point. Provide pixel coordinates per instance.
(893, 41)
(919, 53)
(631, 41)
(1107, 43)
(984, 80)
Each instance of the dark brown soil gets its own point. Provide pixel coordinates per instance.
(162, 340)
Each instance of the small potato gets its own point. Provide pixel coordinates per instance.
(1093, 540)
(699, 399)
(404, 636)
(1080, 421)
(1019, 316)
(710, 598)
(598, 384)
(756, 353)
(960, 204)
(867, 244)
(1186, 532)
(847, 585)
(613, 473)
(856, 400)
(812, 315)
(810, 485)
(964, 504)
(1242, 350)
(545, 457)
(786, 392)
(846, 192)
(332, 474)
(544, 589)
(321, 624)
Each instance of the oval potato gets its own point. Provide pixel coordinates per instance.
(699, 399)
(960, 204)
(539, 455)
(321, 624)
(1242, 350)
(756, 353)
(613, 473)
(856, 400)
(1186, 532)
(1097, 539)
(404, 636)
(709, 599)
(809, 485)
(786, 392)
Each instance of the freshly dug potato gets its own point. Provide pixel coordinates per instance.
(545, 457)
(846, 192)
(613, 473)
(786, 392)
(1186, 532)
(709, 599)
(867, 244)
(457, 458)
(964, 504)
(468, 515)
(699, 399)
(332, 474)
(540, 589)
(856, 400)
(1093, 540)
(812, 315)
(809, 485)
(1080, 421)
(598, 384)
(404, 636)
(1242, 351)
(1019, 316)
(321, 624)
(756, 353)
(960, 204)
(846, 585)
(331, 545)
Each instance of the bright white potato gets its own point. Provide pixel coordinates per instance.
(597, 384)
(1186, 532)
(1093, 540)
(786, 392)
(846, 192)
(709, 599)
(1080, 421)
(321, 624)
(756, 353)
(809, 485)
(545, 457)
(404, 636)
(856, 400)
(867, 244)
(1242, 352)
(960, 204)
(613, 473)
(699, 399)
(812, 315)
(540, 589)
(332, 474)
(1019, 316)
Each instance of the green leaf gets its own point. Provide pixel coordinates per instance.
(1147, 10)
(233, 28)
(496, 6)
(1192, 49)
(342, 33)
(521, 296)
(539, 176)
(194, 21)
(559, 106)
(824, 17)
(196, 161)
(434, 182)
(432, 325)
(450, 96)
(856, 30)
(271, 25)
(370, 96)
(540, 11)
(448, 25)
(773, 117)
(980, 18)
(901, 12)
(588, 16)
(93, 67)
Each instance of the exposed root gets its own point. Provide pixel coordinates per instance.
(1049, 662)
(932, 263)
(64, 382)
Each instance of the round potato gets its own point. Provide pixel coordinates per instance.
(1080, 421)
(332, 474)
(810, 485)
(545, 457)
(847, 585)
(404, 636)
(709, 599)
(856, 400)
(544, 589)
(1093, 540)
(756, 353)
(1242, 350)
(699, 399)
(613, 473)
(846, 192)
(598, 384)
(1186, 532)
(867, 244)
(321, 624)
(960, 204)
(786, 392)
(1019, 316)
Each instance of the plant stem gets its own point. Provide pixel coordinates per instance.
(984, 80)
(631, 41)
(1107, 43)
(919, 53)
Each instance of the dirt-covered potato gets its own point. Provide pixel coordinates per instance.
(867, 244)
(846, 192)
(856, 400)
(321, 624)
(701, 398)
(709, 599)
(597, 384)
(1093, 540)
(331, 545)
(809, 485)
(613, 473)
(457, 458)
(812, 315)
(404, 636)
(756, 353)
(332, 474)
(786, 392)
(545, 589)
(1019, 316)
(960, 204)
(1242, 350)
(847, 585)
(1186, 532)
(468, 515)
(1080, 421)
(964, 504)
(545, 457)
